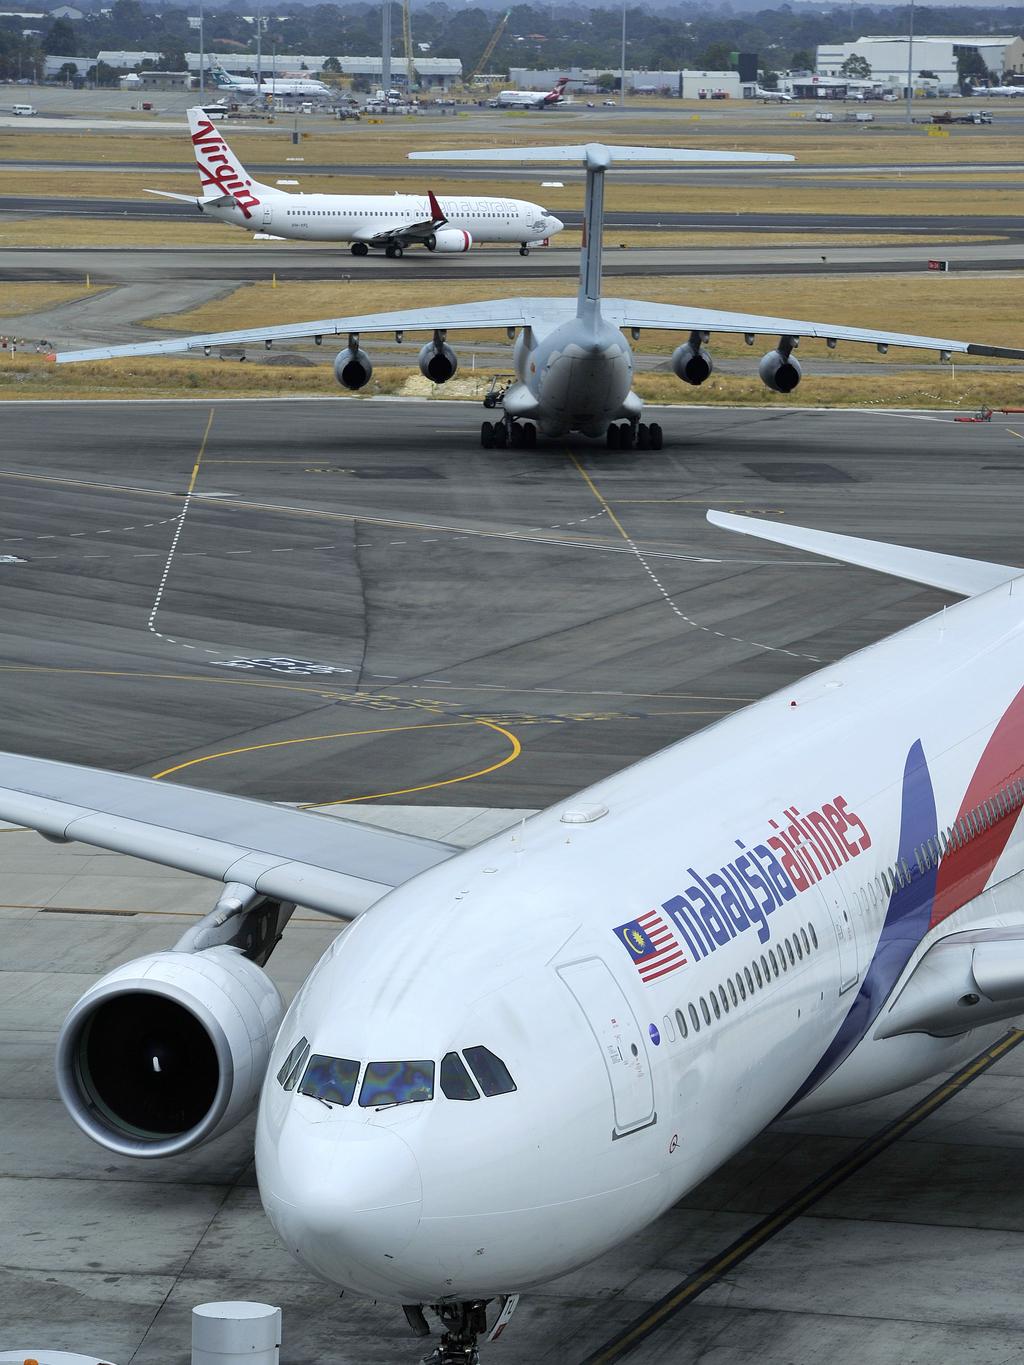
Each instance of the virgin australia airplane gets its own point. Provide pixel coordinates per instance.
(382, 222)
(573, 365)
(518, 1056)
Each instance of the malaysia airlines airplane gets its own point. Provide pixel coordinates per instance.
(573, 365)
(516, 1057)
(271, 85)
(386, 222)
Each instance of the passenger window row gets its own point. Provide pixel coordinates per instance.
(940, 845)
(332, 1080)
(768, 967)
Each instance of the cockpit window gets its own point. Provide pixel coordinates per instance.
(396, 1083)
(292, 1066)
(490, 1071)
(332, 1079)
(455, 1079)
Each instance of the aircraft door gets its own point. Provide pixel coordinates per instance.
(267, 216)
(845, 929)
(618, 1036)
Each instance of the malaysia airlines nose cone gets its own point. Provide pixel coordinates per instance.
(344, 1198)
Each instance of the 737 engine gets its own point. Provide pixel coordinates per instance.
(170, 1050)
(437, 361)
(451, 239)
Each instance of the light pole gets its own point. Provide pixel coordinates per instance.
(259, 43)
(622, 69)
(910, 67)
(202, 57)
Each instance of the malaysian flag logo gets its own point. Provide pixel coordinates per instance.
(652, 945)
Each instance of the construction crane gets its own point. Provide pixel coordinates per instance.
(488, 51)
(407, 36)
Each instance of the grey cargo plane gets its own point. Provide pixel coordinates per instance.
(573, 364)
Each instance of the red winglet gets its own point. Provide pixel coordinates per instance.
(436, 211)
(52, 355)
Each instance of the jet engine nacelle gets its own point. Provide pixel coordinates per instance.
(438, 362)
(779, 372)
(692, 364)
(168, 1051)
(352, 369)
(452, 239)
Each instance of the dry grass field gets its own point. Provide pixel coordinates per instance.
(975, 307)
(18, 299)
(886, 142)
(33, 377)
(802, 198)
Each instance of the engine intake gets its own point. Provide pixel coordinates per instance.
(437, 361)
(353, 367)
(692, 363)
(780, 371)
(169, 1051)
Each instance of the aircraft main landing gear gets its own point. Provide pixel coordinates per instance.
(623, 436)
(360, 249)
(394, 250)
(518, 435)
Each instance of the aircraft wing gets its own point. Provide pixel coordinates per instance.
(952, 573)
(489, 313)
(676, 318)
(963, 981)
(336, 866)
(417, 232)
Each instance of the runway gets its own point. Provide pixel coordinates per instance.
(359, 600)
(634, 220)
(182, 268)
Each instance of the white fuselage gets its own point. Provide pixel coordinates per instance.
(522, 99)
(275, 85)
(631, 1090)
(355, 218)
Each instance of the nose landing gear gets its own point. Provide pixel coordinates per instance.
(463, 1323)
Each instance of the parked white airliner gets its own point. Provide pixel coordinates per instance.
(573, 365)
(270, 85)
(519, 1056)
(388, 222)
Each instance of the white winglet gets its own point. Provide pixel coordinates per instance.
(968, 577)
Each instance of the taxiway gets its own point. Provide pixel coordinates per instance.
(362, 601)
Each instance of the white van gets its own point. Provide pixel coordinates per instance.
(23, 109)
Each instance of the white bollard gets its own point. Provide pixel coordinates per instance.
(236, 1334)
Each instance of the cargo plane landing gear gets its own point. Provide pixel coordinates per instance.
(623, 436)
(518, 435)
